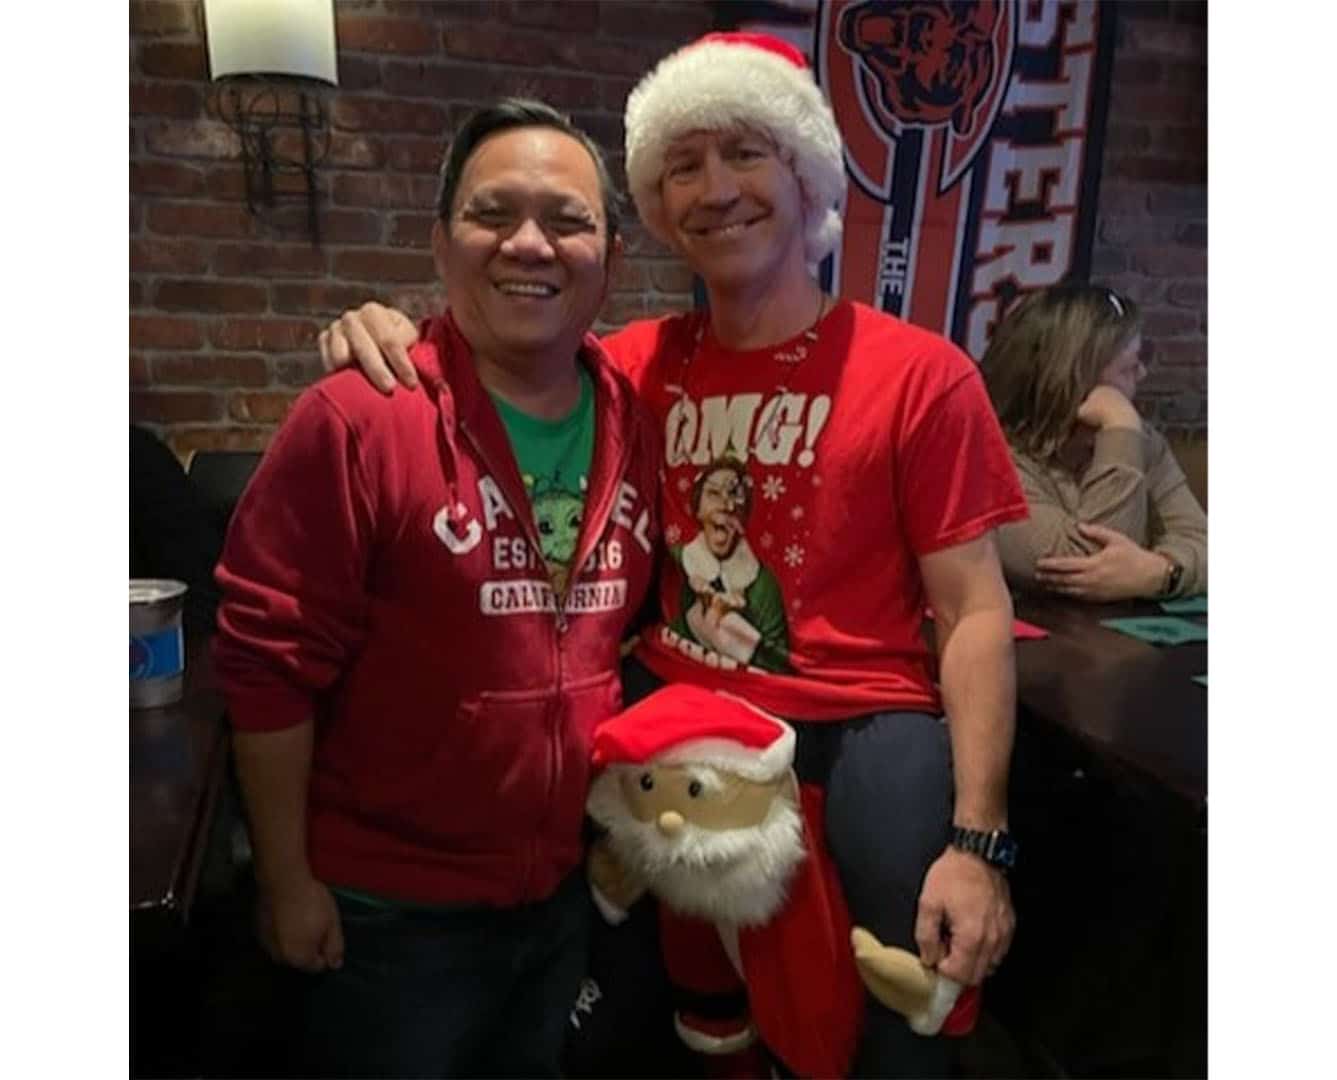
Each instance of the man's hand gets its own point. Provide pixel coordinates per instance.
(299, 926)
(378, 338)
(1120, 570)
(965, 921)
(1106, 407)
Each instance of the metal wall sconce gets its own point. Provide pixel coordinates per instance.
(269, 58)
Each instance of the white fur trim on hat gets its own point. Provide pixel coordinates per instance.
(715, 85)
(736, 759)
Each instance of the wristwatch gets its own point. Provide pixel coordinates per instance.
(1174, 574)
(997, 848)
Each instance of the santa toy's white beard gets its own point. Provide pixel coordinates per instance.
(736, 876)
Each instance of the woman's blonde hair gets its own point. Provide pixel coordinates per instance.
(1047, 355)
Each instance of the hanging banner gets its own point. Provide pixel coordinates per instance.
(973, 135)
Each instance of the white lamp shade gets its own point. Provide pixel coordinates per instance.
(271, 37)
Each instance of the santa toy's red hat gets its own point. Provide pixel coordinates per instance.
(724, 80)
(685, 725)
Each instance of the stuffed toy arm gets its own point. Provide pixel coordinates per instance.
(897, 979)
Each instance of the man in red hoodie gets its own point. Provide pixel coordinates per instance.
(422, 605)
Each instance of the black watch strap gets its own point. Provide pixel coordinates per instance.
(997, 847)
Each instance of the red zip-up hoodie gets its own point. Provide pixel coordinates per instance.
(383, 575)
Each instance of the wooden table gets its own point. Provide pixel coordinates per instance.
(178, 762)
(1108, 790)
(1136, 703)
(178, 758)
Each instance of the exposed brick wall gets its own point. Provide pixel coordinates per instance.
(1151, 239)
(224, 309)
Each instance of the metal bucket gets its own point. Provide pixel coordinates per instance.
(157, 645)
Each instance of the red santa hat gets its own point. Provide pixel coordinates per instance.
(685, 725)
(723, 80)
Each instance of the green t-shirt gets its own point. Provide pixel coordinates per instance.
(554, 458)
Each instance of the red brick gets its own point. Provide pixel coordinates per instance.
(174, 60)
(630, 275)
(265, 407)
(1172, 262)
(298, 370)
(223, 296)
(1107, 260)
(1178, 40)
(444, 81)
(416, 155)
(1159, 169)
(227, 184)
(1181, 354)
(149, 17)
(615, 94)
(165, 99)
(670, 276)
(1179, 200)
(570, 16)
(387, 115)
(186, 440)
(139, 370)
(1167, 106)
(1192, 234)
(1129, 229)
(221, 369)
(136, 216)
(336, 226)
(622, 308)
(606, 57)
(605, 128)
(200, 139)
(164, 178)
(1122, 198)
(380, 266)
(1134, 68)
(1126, 138)
(269, 260)
(418, 303)
(1160, 322)
(136, 292)
(318, 299)
(168, 407)
(636, 239)
(1144, 290)
(358, 73)
(412, 230)
(264, 335)
(367, 33)
(676, 21)
(500, 45)
(165, 332)
(1183, 141)
(195, 219)
(1188, 294)
(463, 10)
(388, 190)
(1187, 76)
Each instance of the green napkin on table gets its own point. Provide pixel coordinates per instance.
(1186, 605)
(1158, 629)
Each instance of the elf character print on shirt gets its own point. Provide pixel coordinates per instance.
(741, 471)
(557, 514)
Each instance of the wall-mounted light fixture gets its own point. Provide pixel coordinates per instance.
(269, 57)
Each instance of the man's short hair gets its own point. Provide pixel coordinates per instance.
(515, 112)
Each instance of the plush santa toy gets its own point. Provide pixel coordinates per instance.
(697, 793)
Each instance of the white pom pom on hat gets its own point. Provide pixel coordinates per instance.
(723, 80)
(681, 725)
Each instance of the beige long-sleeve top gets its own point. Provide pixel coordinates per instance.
(1132, 483)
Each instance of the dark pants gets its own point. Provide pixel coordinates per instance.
(888, 781)
(475, 992)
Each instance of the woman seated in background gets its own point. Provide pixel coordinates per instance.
(1112, 516)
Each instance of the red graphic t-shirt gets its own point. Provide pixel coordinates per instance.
(802, 482)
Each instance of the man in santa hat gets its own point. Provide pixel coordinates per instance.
(883, 475)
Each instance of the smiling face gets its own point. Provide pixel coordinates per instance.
(721, 507)
(522, 255)
(1126, 370)
(734, 208)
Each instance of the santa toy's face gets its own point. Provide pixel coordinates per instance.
(708, 843)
